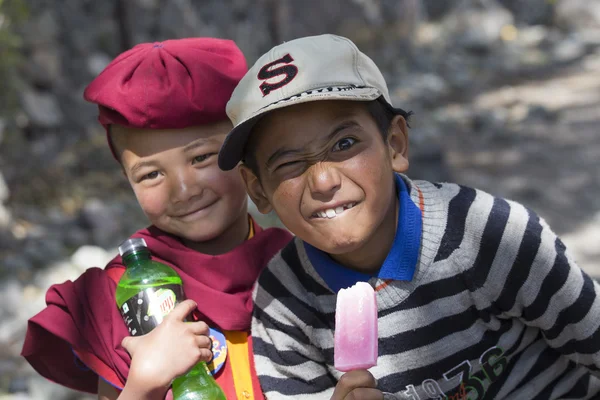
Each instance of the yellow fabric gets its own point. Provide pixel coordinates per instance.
(251, 230)
(237, 351)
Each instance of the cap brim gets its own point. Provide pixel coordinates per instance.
(232, 151)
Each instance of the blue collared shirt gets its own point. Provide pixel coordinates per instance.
(401, 261)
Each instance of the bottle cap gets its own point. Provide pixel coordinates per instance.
(132, 244)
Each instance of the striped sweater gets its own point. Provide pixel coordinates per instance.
(496, 310)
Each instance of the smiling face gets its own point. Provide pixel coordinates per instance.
(325, 169)
(178, 184)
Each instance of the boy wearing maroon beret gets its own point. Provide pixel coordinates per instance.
(163, 107)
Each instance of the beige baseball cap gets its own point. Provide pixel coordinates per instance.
(324, 67)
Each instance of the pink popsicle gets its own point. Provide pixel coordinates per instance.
(355, 338)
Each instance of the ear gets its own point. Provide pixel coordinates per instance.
(397, 141)
(255, 189)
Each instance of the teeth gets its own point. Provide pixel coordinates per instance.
(332, 212)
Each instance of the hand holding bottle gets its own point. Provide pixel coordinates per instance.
(169, 350)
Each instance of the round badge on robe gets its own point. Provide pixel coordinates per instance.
(219, 349)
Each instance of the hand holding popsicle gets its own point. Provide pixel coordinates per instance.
(357, 385)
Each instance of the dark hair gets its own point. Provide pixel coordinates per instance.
(379, 110)
(383, 114)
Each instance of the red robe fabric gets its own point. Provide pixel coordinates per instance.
(82, 316)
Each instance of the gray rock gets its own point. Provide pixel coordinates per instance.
(8, 241)
(422, 88)
(42, 108)
(42, 389)
(101, 221)
(41, 251)
(490, 122)
(56, 273)
(43, 68)
(2, 127)
(530, 12)
(75, 236)
(577, 15)
(569, 49)
(5, 217)
(436, 9)
(4, 191)
(15, 265)
(476, 24)
(97, 62)
(539, 112)
(42, 28)
(429, 163)
(18, 384)
(90, 256)
(532, 36)
(11, 293)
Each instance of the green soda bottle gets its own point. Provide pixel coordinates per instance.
(146, 293)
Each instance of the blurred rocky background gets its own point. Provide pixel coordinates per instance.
(506, 95)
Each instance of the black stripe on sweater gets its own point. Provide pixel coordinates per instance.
(519, 341)
(490, 242)
(545, 360)
(295, 386)
(547, 391)
(580, 389)
(521, 268)
(310, 316)
(290, 256)
(458, 209)
(555, 279)
(512, 361)
(293, 331)
(590, 345)
(429, 334)
(287, 357)
(429, 293)
(307, 314)
(576, 311)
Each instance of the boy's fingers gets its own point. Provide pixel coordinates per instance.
(182, 310)
(129, 343)
(360, 378)
(198, 328)
(206, 355)
(364, 394)
(204, 342)
(351, 381)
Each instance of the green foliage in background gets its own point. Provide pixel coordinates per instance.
(12, 13)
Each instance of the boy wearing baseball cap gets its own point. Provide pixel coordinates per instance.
(477, 297)
(163, 107)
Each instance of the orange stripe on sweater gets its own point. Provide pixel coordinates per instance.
(384, 284)
(421, 200)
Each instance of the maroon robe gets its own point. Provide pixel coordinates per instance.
(82, 315)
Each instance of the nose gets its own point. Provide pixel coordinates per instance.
(184, 185)
(324, 180)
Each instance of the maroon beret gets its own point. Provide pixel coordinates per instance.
(171, 84)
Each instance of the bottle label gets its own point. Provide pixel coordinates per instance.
(144, 311)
